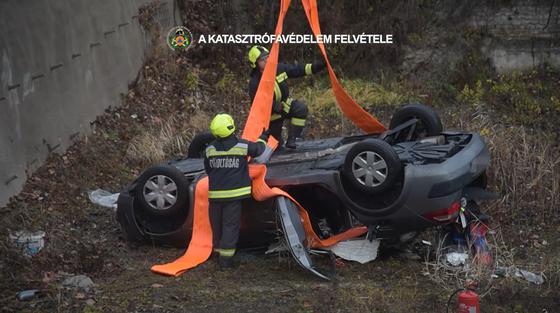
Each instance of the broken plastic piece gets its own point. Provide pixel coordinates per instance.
(104, 198)
(27, 294)
(529, 276)
(30, 242)
(359, 250)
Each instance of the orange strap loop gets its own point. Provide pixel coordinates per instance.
(349, 107)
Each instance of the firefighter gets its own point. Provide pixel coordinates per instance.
(226, 164)
(283, 106)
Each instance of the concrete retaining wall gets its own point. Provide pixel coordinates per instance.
(524, 34)
(62, 63)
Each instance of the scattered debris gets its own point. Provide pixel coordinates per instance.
(90, 302)
(27, 294)
(156, 285)
(531, 277)
(104, 198)
(30, 242)
(360, 250)
(457, 258)
(79, 282)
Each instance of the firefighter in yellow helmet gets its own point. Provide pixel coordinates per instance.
(226, 165)
(283, 106)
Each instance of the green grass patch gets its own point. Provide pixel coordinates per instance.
(369, 95)
(527, 98)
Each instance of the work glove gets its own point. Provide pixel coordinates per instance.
(265, 134)
(318, 66)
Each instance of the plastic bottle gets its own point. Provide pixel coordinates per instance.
(27, 294)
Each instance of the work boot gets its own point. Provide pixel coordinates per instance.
(226, 263)
(291, 143)
(293, 133)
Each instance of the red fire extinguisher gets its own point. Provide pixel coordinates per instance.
(467, 301)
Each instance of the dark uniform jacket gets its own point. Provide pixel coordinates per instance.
(281, 90)
(226, 164)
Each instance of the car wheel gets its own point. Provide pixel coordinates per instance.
(372, 166)
(429, 123)
(162, 190)
(199, 144)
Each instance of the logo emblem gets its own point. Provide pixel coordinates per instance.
(179, 38)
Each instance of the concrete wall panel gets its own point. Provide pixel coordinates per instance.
(62, 63)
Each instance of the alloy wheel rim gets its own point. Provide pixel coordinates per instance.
(160, 192)
(369, 169)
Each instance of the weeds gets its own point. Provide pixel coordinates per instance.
(525, 170)
(377, 98)
(166, 140)
(368, 94)
(528, 98)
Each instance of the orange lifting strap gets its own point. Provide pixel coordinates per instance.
(259, 116)
(200, 246)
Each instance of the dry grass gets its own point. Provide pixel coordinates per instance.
(524, 169)
(166, 139)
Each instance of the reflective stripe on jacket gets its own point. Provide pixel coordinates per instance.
(225, 163)
(281, 100)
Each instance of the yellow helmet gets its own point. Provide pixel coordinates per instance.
(222, 126)
(255, 53)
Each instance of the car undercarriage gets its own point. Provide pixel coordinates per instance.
(397, 184)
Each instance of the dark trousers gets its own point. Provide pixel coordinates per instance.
(298, 110)
(225, 218)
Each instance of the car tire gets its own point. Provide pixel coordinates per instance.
(162, 190)
(198, 145)
(429, 122)
(372, 166)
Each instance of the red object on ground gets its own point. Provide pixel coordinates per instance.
(468, 302)
(483, 255)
